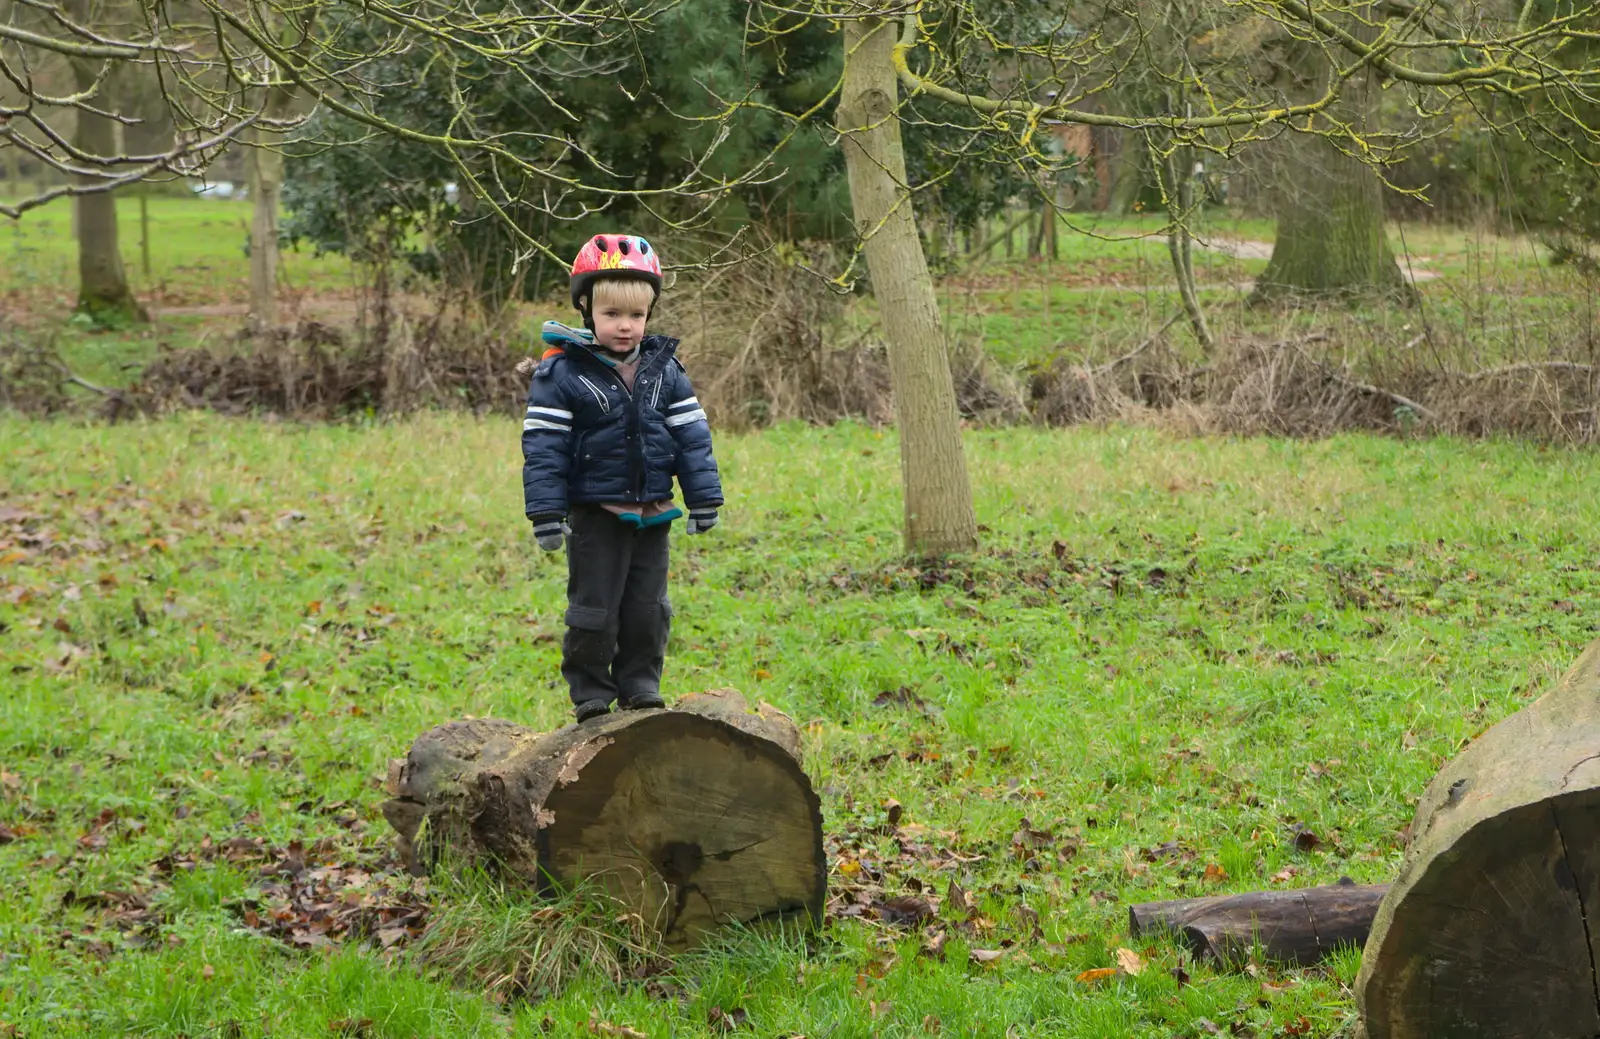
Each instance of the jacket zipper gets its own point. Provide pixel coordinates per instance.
(605, 405)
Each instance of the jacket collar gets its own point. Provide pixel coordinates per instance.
(652, 350)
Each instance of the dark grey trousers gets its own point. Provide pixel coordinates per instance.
(618, 617)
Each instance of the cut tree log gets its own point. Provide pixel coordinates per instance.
(1493, 927)
(693, 817)
(1300, 926)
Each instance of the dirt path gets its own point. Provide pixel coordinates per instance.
(1413, 268)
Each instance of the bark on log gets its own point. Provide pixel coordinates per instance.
(693, 817)
(1493, 927)
(1299, 926)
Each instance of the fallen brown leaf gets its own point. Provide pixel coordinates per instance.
(720, 1020)
(1130, 962)
(1096, 975)
(905, 911)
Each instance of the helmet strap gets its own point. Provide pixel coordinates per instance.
(586, 308)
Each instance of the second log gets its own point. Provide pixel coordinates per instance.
(1300, 926)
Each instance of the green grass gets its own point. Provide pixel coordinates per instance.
(1494, 298)
(199, 255)
(1196, 644)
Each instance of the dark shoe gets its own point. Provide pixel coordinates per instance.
(592, 709)
(642, 703)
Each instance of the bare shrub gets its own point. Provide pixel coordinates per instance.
(769, 340)
(318, 371)
(1309, 386)
(32, 375)
(35, 380)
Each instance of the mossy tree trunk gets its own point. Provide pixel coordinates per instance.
(1330, 240)
(939, 515)
(103, 291)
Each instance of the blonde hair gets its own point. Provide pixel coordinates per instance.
(623, 293)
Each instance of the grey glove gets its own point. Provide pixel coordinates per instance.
(550, 531)
(701, 520)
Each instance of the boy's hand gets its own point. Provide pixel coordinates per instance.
(701, 520)
(550, 531)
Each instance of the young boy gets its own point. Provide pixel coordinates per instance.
(611, 419)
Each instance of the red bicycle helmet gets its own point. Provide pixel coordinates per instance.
(613, 256)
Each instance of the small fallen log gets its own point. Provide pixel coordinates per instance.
(1299, 926)
(692, 817)
(1493, 926)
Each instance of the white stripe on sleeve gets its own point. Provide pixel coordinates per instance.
(539, 423)
(550, 412)
(684, 403)
(697, 415)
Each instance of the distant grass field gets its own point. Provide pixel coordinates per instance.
(1492, 298)
(199, 254)
(1169, 655)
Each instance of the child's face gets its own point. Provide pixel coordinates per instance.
(619, 324)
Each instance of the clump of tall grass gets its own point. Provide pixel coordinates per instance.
(492, 935)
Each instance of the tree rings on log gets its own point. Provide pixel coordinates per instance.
(1493, 927)
(693, 817)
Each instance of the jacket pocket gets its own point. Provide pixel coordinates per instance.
(602, 396)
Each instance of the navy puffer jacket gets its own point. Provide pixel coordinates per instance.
(585, 438)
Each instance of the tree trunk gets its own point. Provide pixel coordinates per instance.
(693, 818)
(14, 172)
(266, 181)
(1052, 217)
(1179, 191)
(103, 292)
(1493, 927)
(939, 516)
(1330, 240)
(1298, 927)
